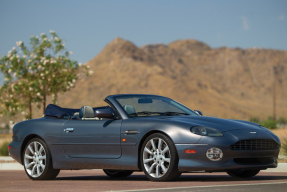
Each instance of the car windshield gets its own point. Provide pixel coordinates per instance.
(137, 106)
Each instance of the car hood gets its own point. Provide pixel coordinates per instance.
(217, 123)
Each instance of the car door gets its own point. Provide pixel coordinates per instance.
(92, 138)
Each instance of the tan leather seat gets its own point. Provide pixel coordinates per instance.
(77, 115)
(87, 113)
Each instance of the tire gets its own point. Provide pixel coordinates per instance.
(117, 173)
(243, 173)
(159, 158)
(37, 161)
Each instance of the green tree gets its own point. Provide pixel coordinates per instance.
(42, 69)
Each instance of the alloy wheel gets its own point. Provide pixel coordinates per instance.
(35, 159)
(156, 157)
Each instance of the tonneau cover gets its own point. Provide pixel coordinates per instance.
(56, 111)
(59, 112)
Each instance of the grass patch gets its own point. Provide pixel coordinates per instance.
(4, 149)
(254, 120)
(269, 123)
(282, 120)
(282, 160)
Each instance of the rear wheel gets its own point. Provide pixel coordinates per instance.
(243, 173)
(159, 158)
(117, 173)
(38, 161)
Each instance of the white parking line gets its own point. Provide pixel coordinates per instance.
(193, 187)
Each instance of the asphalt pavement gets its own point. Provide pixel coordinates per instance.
(268, 187)
(96, 180)
(13, 178)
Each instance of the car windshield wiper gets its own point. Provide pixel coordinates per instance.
(146, 113)
(174, 113)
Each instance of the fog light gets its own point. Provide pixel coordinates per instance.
(214, 154)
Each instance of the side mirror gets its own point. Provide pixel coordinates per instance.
(104, 113)
(198, 112)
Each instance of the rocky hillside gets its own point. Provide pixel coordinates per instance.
(221, 82)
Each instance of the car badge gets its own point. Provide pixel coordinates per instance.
(252, 132)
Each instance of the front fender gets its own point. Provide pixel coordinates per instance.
(179, 132)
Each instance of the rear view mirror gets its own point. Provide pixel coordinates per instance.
(104, 113)
(145, 100)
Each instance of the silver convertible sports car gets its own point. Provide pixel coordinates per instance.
(147, 133)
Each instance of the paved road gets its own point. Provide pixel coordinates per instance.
(95, 180)
(270, 187)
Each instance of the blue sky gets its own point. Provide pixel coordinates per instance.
(87, 26)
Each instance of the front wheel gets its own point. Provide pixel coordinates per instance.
(38, 161)
(159, 158)
(243, 173)
(117, 173)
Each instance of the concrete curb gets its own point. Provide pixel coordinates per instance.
(6, 158)
(11, 166)
(282, 167)
(8, 163)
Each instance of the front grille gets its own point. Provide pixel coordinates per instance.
(255, 144)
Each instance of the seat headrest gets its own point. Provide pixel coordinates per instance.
(129, 109)
(86, 112)
(77, 116)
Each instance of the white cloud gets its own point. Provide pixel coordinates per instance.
(245, 23)
(281, 18)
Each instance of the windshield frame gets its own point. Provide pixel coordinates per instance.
(146, 96)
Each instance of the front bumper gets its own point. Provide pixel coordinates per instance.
(199, 162)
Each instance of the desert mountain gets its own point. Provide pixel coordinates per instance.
(222, 82)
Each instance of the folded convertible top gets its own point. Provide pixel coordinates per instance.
(59, 112)
(56, 111)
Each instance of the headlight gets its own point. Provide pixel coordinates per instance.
(206, 131)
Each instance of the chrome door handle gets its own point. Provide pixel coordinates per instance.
(131, 132)
(69, 130)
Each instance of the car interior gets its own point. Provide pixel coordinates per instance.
(88, 113)
(85, 113)
(129, 109)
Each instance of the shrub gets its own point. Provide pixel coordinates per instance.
(269, 124)
(4, 149)
(282, 120)
(254, 120)
(284, 146)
